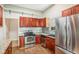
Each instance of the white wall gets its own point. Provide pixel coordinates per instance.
(55, 11)
(3, 41)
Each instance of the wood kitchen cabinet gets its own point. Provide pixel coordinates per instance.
(37, 22)
(24, 22)
(1, 16)
(21, 41)
(67, 12)
(50, 43)
(37, 39)
(42, 22)
(21, 21)
(76, 9)
(32, 22)
(71, 11)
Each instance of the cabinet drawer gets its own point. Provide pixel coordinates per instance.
(37, 39)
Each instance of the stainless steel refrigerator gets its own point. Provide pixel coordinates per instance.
(67, 33)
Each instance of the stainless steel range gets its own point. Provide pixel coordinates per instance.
(29, 39)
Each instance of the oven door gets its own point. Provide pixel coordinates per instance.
(29, 40)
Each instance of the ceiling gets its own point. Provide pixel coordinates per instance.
(38, 7)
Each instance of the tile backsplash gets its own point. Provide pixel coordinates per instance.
(33, 29)
(45, 30)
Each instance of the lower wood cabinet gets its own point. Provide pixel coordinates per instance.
(37, 39)
(50, 43)
(21, 41)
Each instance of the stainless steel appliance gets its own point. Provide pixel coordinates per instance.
(29, 39)
(67, 33)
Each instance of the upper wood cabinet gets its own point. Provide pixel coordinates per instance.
(1, 16)
(37, 21)
(32, 22)
(67, 12)
(71, 11)
(42, 22)
(76, 9)
(24, 22)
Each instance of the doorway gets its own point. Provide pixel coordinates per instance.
(12, 30)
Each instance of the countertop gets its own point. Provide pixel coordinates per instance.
(48, 35)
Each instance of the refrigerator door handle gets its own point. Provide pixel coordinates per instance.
(69, 39)
(66, 36)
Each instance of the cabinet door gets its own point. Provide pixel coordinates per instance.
(24, 22)
(21, 41)
(42, 22)
(76, 9)
(37, 23)
(30, 22)
(67, 12)
(33, 22)
(21, 22)
(37, 39)
(50, 43)
(1, 16)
